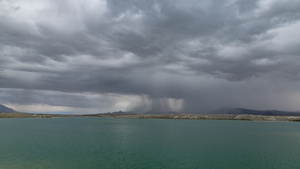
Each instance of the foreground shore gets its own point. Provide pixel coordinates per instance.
(245, 117)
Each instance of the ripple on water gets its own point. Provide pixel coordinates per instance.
(124, 143)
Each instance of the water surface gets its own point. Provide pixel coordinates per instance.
(91, 142)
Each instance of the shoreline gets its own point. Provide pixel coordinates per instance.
(240, 117)
(29, 115)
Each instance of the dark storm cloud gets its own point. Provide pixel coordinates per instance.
(204, 53)
(21, 96)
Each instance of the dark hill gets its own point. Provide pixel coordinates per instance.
(4, 109)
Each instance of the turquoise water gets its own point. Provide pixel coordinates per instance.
(91, 142)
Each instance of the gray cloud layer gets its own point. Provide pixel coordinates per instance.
(205, 53)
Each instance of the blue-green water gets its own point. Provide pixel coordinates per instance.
(87, 142)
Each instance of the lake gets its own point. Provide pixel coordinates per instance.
(93, 142)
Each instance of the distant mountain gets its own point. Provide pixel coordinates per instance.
(119, 112)
(161, 112)
(4, 109)
(114, 113)
(253, 112)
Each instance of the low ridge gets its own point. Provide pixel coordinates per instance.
(254, 112)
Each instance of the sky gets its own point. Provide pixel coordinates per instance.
(190, 56)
